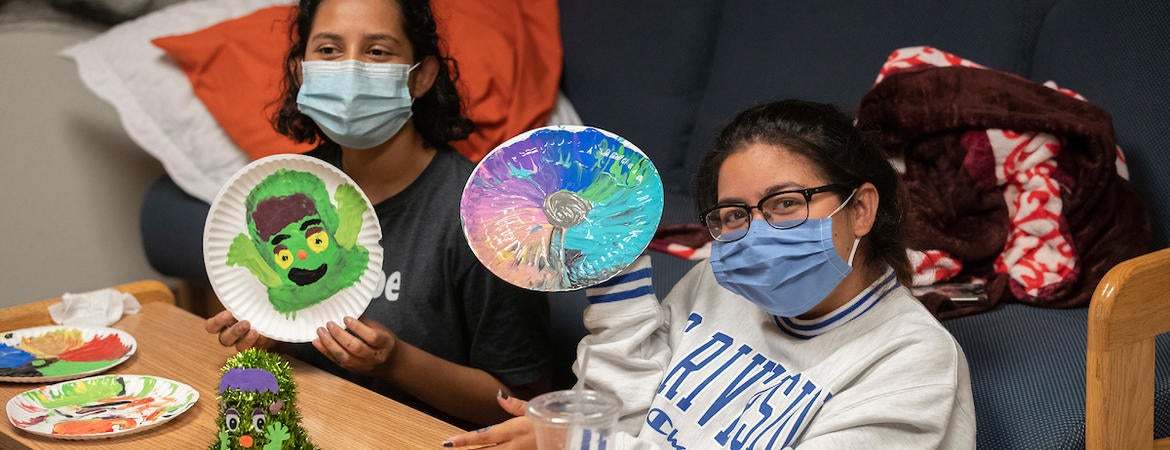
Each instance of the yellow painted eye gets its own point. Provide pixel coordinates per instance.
(318, 241)
(284, 258)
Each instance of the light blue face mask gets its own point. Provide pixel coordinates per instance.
(357, 104)
(784, 272)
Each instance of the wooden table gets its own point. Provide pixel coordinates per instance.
(172, 344)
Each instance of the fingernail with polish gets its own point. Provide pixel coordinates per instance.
(503, 395)
(448, 444)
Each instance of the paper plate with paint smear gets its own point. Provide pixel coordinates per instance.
(59, 352)
(100, 407)
(561, 208)
(290, 244)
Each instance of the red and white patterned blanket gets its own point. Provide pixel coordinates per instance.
(1009, 181)
(1038, 254)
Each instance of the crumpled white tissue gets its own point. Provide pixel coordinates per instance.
(97, 308)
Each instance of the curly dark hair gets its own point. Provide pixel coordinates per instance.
(438, 114)
(843, 155)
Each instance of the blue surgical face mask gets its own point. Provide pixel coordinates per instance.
(784, 272)
(357, 104)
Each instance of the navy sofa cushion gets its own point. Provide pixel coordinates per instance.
(171, 222)
(1013, 352)
(639, 69)
(831, 51)
(1117, 55)
(1028, 376)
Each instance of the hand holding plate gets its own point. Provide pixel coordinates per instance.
(235, 333)
(366, 346)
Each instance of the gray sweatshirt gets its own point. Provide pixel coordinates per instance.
(706, 368)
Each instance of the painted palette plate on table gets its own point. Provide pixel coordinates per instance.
(102, 406)
(61, 352)
(562, 207)
(290, 244)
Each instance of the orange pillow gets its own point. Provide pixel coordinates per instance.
(509, 57)
(235, 68)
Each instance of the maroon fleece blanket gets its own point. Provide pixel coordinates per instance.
(922, 118)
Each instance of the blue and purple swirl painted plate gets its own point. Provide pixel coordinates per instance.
(561, 208)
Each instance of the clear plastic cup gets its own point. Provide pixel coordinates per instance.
(574, 420)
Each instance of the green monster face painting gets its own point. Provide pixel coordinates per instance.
(257, 405)
(298, 244)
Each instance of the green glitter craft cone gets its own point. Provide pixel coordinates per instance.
(258, 405)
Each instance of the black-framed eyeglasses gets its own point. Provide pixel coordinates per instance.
(782, 210)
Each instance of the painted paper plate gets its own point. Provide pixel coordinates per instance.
(561, 208)
(100, 407)
(60, 352)
(290, 244)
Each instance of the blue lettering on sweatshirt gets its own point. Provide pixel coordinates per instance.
(777, 401)
(695, 361)
(685, 402)
(659, 421)
(737, 387)
(760, 415)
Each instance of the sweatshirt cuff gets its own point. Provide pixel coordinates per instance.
(633, 282)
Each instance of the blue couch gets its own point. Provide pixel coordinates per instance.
(668, 75)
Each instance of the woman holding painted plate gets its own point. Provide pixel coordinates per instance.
(366, 80)
(798, 332)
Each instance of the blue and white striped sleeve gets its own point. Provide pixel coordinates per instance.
(627, 342)
(633, 282)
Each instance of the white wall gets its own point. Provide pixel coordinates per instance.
(72, 180)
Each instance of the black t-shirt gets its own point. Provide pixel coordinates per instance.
(437, 296)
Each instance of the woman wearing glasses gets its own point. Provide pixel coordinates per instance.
(798, 332)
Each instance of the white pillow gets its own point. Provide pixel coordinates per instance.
(153, 97)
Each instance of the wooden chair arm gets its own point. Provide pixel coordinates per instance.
(1130, 307)
(37, 313)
